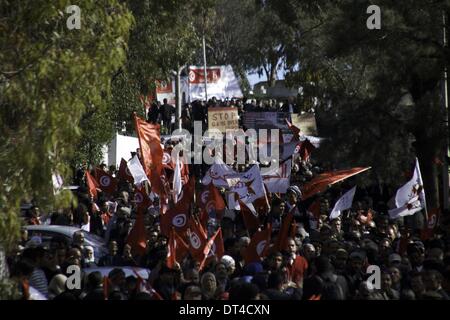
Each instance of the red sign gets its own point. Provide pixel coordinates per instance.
(198, 75)
(163, 86)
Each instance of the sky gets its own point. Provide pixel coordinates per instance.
(254, 78)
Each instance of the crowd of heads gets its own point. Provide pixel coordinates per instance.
(327, 259)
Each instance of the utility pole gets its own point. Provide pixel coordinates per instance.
(445, 179)
(178, 94)
(204, 56)
(204, 67)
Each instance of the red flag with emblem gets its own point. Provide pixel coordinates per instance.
(197, 240)
(137, 238)
(141, 199)
(106, 181)
(178, 215)
(285, 230)
(124, 174)
(92, 184)
(258, 246)
(428, 231)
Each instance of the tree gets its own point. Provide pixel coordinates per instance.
(378, 90)
(49, 77)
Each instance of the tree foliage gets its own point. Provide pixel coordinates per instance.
(49, 77)
(379, 90)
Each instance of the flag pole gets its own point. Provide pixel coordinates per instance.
(445, 178)
(204, 67)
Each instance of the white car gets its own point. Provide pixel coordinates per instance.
(47, 232)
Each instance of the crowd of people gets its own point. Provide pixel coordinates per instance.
(165, 113)
(323, 258)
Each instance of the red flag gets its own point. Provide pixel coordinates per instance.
(295, 130)
(106, 181)
(167, 160)
(124, 173)
(149, 143)
(137, 237)
(433, 218)
(181, 247)
(214, 202)
(141, 199)
(258, 246)
(178, 215)
(306, 148)
(151, 152)
(171, 251)
(286, 228)
(197, 240)
(314, 208)
(214, 247)
(321, 182)
(92, 184)
(251, 219)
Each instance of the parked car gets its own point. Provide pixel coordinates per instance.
(47, 232)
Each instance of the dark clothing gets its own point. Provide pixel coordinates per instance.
(109, 260)
(96, 294)
(274, 294)
(166, 111)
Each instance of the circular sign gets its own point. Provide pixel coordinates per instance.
(195, 240)
(260, 247)
(166, 158)
(191, 76)
(105, 181)
(179, 220)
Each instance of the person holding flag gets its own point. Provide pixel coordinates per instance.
(410, 198)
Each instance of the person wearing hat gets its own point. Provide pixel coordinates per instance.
(229, 263)
(394, 260)
(302, 217)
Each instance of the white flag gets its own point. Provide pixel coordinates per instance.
(250, 185)
(177, 180)
(136, 170)
(277, 179)
(410, 198)
(218, 174)
(344, 203)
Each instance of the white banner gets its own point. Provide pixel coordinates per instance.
(221, 83)
(136, 170)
